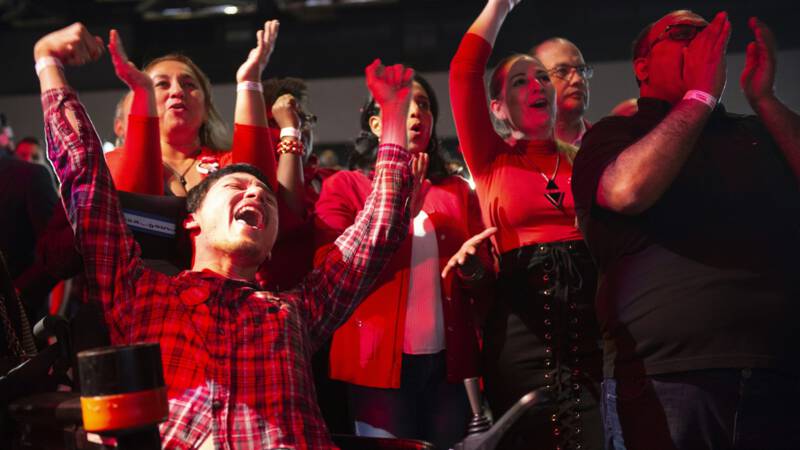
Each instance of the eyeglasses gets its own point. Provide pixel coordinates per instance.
(307, 120)
(682, 32)
(564, 71)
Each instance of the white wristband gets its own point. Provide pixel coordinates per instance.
(45, 62)
(249, 86)
(702, 97)
(290, 132)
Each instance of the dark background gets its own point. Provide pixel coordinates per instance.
(341, 38)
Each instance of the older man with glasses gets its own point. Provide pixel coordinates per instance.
(691, 214)
(570, 75)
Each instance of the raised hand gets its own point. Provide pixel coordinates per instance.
(389, 85)
(419, 169)
(284, 110)
(123, 67)
(704, 64)
(72, 45)
(466, 254)
(258, 57)
(511, 3)
(758, 76)
(391, 88)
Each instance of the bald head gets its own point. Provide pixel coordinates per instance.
(554, 43)
(560, 57)
(658, 58)
(121, 117)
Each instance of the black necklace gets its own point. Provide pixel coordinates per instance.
(182, 176)
(553, 193)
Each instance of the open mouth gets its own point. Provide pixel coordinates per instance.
(416, 128)
(539, 103)
(249, 216)
(177, 107)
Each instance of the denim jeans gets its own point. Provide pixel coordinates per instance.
(426, 406)
(703, 409)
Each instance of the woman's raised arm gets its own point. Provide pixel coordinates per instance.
(137, 166)
(251, 142)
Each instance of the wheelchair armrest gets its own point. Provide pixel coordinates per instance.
(488, 440)
(48, 408)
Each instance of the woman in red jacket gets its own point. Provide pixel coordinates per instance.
(175, 135)
(406, 350)
(542, 331)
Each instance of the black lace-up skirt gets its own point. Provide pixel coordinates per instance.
(542, 332)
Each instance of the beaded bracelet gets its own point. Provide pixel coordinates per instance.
(293, 146)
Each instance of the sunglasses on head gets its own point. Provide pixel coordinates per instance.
(680, 32)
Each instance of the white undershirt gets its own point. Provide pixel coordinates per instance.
(424, 330)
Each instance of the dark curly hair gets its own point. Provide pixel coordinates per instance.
(365, 145)
(275, 87)
(196, 195)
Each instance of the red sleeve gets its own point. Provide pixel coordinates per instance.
(347, 273)
(333, 212)
(137, 166)
(252, 145)
(479, 141)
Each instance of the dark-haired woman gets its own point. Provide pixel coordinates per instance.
(175, 135)
(541, 332)
(406, 350)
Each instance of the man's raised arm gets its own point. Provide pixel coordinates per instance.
(109, 252)
(333, 290)
(644, 171)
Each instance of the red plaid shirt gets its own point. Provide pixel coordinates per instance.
(236, 359)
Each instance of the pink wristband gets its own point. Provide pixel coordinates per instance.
(249, 86)
(702, 97)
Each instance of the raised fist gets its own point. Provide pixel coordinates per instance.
(389, 85)
(285, 111)
(72, 45)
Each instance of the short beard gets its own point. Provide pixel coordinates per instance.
(250, 252)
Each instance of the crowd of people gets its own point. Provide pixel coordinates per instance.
(636, 272)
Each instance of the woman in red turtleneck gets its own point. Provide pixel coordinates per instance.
(541, 331)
